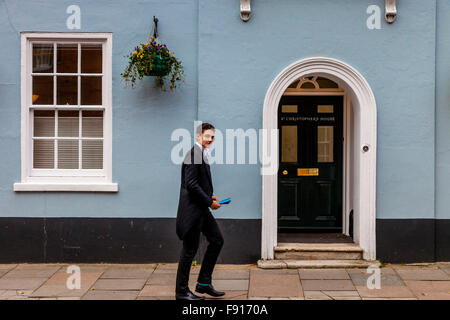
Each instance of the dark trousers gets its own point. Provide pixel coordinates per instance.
(210, 229)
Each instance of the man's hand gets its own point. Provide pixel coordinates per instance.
(215, 198)
(215, 205)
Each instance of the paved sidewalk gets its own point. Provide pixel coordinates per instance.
(241, 282)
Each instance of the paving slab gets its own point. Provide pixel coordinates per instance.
(172, 268)
(233, 284)
(8, 266)
(446, 269)
(12, 293)
(342, 294)
(163, 278)
(5, 268)
(119, 284)
(235, 266)
(89, 267)
(417, 273)
(32, 271)
(229, 295)
(129, 272)
(388, 277)
(238, 274)
(235, 295)
(330, 285)
(383, 271)
(274, 271)
(274, 285)
(169, 279)
(320, 274)
(430, 290)
(316, 295)
(56, 286)
(385, 292)
(388, 298)
(156, 298)
(158, 291)
(110, 295)
(21, 283)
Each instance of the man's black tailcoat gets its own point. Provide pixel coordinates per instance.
(195, 192)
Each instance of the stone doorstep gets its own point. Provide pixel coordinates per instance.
(318, 255)
(318, 264)
(322, 247)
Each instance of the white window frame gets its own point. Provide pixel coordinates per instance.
(60, 179)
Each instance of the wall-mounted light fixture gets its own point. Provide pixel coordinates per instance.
(391, 11)
(245, 10)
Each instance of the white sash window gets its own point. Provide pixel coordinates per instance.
(66, 112)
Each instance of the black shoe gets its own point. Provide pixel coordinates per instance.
(209, 289)
(188, 296)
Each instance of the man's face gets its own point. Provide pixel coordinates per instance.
(207, 138)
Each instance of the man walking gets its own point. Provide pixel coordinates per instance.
(194, 217)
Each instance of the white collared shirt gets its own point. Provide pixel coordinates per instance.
(205, 151)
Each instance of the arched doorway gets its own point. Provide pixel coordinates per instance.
(362, 173)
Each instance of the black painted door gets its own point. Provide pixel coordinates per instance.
(310, 157)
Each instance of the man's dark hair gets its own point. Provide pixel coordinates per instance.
(203, 127)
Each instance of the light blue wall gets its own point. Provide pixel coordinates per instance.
(229, 66)
(239, 61)
(443, 111)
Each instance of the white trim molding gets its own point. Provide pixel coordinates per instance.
(364, 134)
(90, 180)
(87, 187)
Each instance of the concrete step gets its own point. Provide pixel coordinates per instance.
(315, 264)
(318, 251)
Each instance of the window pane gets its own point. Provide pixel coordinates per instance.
(43, 58)
(308, 85)
(92, 154)
(289, 144)
(92, 124)
(289, 108)
(43, 154)
(325, 109)
(66, 88)
(42, 90)
(68, 154)
(294, 84)
(68, 123)
(326, 83)
(91, 90)
(91, 58)
(325, 144)
(67, 58)
(44, 123)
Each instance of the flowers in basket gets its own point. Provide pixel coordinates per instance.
(153, 59)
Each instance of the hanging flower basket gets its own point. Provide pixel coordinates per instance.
(159, 67)
(153, 59)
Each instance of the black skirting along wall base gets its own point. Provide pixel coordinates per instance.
(413, 240)
(148, 240)
(118, 240)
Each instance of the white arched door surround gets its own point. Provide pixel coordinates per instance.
(364, 153)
